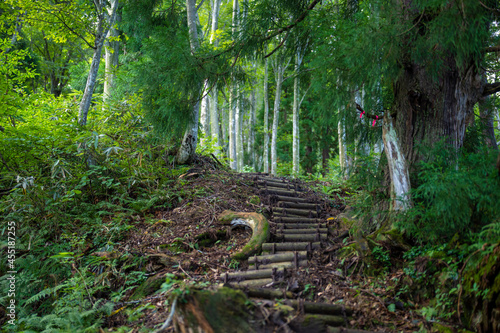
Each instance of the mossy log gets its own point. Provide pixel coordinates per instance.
(260, 231)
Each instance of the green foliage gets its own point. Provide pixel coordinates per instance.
(454, 196)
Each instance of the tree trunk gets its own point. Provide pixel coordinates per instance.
(266, 117)
(233, 99)
(232, 128)
(251, 135)
(239, 132)
(486, 115)
(102, 31)
(398, 168)
(187, 150)
(112, 51)
(343, 158)
(205, 116)
(214, 112)
(277, 97)
(429, 110)
(295, 134)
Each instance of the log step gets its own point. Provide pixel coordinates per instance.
(295, 211)
(289, 265)
(252, 283)
(310, 206)
(271, 258)
(281, 219)
(302, 238)
(288, 193)
(285, 198)
(288, 186)
(280, 226)
(301, 231)
(297, 246)
(272, 179)
(251, 275)
(320, 308)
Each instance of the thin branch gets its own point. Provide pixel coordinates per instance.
(419, 19)
(490, 49)
(201, 3)
(491, 88)
(305, 93)
(170, 316)
(277, 47)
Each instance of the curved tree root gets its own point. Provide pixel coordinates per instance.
(260, 231)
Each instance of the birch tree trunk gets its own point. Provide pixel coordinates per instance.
(187, 149)
(102, 30)
(233, 99)
(112, 52)
(214, 112)
(266, 117)
(232, 129)
(279, 70)
(251, 135)
(295, 134)
(238, 135)
(239, 139)
(205, 115)
(398, 167)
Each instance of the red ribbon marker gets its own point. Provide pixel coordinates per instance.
(375, 121)
(361, 115)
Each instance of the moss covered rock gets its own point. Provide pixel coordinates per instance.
(148, 287)
(224, 310)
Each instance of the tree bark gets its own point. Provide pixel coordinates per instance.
(398, 167)
(295, 134)
(486, 115)
(266, 116)
(205, 115)
(234, 113)
(187, 150)
(343, 159)
(429, 110)
(112, 52)
(214, 112)
(279, 71)
(102, 31)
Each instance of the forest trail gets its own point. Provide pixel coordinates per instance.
(309, 278)
(299, 225)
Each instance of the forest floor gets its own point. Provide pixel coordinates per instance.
(188, 246)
